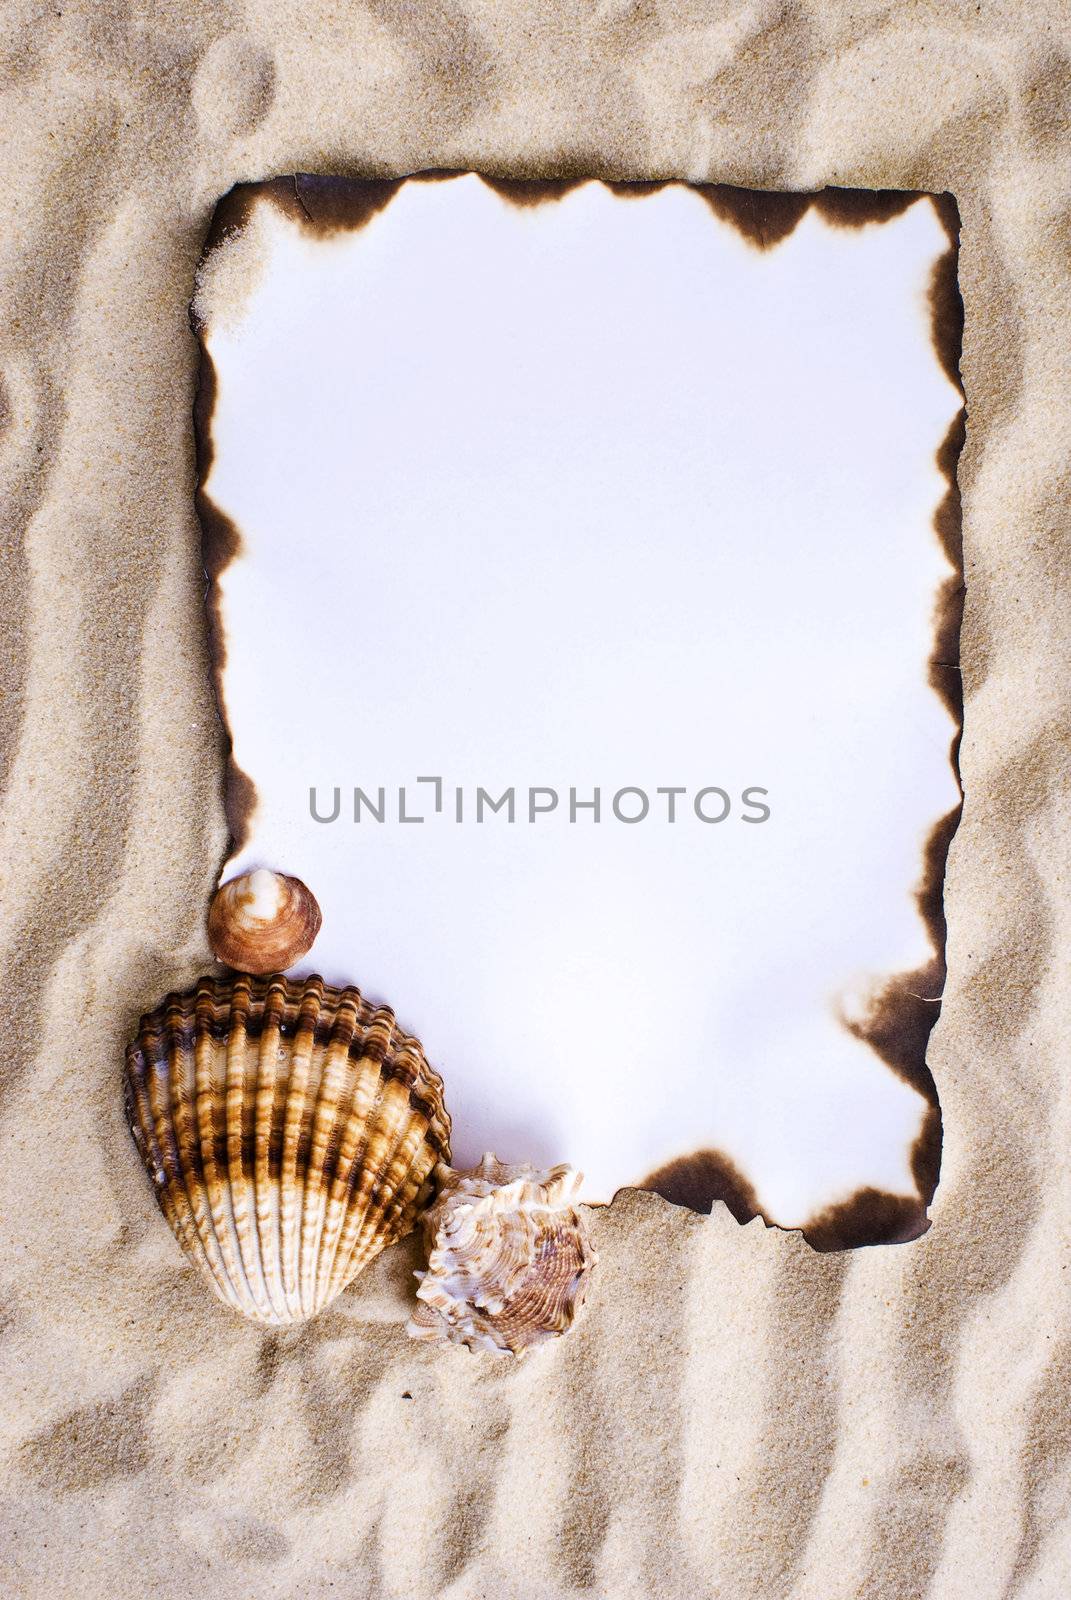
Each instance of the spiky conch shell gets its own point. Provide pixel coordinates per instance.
(291, 1132)
(508, 1258)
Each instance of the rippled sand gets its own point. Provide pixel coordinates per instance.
(736, 1416)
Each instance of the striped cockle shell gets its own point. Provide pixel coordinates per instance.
(262, 921)
(508, 1258)
(291, 1131)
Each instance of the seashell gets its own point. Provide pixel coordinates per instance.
(508, 1258)
(262, 921)
(290, 1130)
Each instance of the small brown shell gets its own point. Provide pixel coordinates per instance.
(291, 1131)
(508, 1258)
(262, 921)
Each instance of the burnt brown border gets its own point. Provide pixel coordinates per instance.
(899, 1024)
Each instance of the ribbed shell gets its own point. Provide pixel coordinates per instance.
(290, 1131)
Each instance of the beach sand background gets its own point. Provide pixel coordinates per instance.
(736, 1415)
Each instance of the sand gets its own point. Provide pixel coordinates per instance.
(736, 1415)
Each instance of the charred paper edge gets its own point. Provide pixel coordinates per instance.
(901, 1019)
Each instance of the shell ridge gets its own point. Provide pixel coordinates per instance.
(267, 1115)
(333, 1107)
(415, 1190)
(323, 1022)
(374, 1188)
(182, 1104)
(330, 1090)
(414, 1179)
(378, 1213)
(174, 1117)
(310, 1011)
(368, 1093)
(169, 1190)
(229, 1204)
(239, 1174)
(206, 1084)
(293, 1115)
(364, 1071)
(391, 1197)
